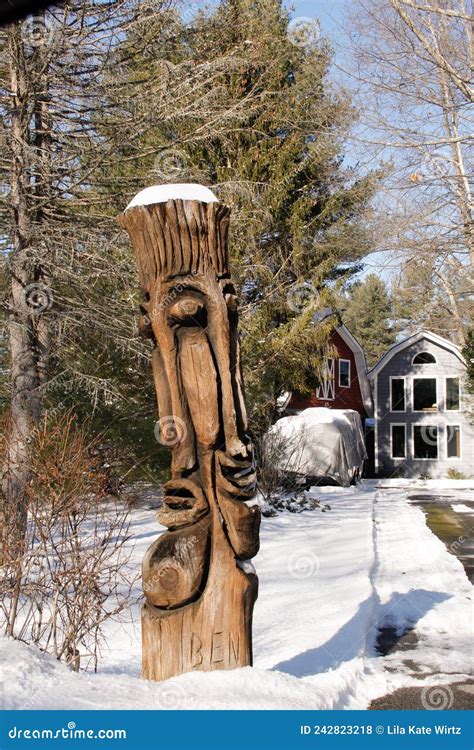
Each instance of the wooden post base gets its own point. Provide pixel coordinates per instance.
(214, 632)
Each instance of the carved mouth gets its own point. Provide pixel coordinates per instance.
(236, 483)
(179, 497)
(238, 475)
(183, 503)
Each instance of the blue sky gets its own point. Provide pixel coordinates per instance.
(329, 12)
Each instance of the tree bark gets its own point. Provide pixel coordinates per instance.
(27, 328)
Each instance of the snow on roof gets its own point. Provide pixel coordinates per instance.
(179, 191)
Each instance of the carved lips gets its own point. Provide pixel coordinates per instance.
(184, 503)
(236, 485)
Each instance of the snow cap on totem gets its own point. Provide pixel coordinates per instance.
(182, 229)
(177, 192)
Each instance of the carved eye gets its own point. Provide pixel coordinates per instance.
(189, 310)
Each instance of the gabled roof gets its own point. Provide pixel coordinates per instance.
(419, 336)
(361, 365)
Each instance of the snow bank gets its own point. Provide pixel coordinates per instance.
(328, 582)
(308, 651)
(319, 442)
(436, 484)
(40, 682)
(418, 584)
(164, 193)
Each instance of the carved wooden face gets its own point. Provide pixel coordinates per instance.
(193, 320)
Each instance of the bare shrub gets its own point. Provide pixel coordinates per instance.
(281, 487)
(71, 576)
(273, 453)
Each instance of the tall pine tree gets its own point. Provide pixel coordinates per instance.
(275, 155)
(368, 317)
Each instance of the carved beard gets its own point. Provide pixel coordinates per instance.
(196, 364)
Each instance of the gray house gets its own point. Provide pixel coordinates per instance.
(422, 423)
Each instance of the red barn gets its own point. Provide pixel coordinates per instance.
(345, 385)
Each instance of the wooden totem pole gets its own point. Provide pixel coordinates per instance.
(199, 585)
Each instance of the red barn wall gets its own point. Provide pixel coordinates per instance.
(345, 398)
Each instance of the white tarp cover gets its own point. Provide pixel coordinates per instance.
(319, 442)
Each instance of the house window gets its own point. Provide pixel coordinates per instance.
(424, 394)
(424, 358)
(325, 392)
(452, 394)
(344, 373)
(397, 394)
(398, 441)
(425, 441)
(453, 441)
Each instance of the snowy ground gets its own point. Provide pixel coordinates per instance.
(328, 581)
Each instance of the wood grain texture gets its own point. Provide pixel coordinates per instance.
(214, 632)
(199, 601)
